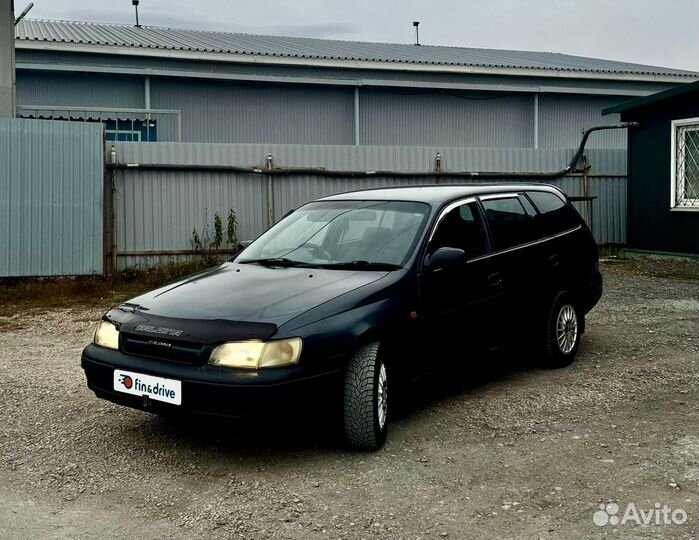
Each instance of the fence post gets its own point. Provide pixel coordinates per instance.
(437, 167)
(586, 190)
(114, 261)
(270, 192)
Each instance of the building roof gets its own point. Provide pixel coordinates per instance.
(653, 98)
(150, 40)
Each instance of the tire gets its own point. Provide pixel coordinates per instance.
(564, 327)
(365, 412)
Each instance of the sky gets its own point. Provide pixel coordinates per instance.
(652, 32)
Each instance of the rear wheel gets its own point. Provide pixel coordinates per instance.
(564, 326)
(366, 399)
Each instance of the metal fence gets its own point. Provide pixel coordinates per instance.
(158, 207)
(51, 198)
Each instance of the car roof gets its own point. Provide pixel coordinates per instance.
(436, 194)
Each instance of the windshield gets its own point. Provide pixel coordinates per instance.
(342, 233)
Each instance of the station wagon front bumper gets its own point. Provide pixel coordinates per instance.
(209, 390)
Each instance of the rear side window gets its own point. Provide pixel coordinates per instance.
(510, 224)
(555, 216)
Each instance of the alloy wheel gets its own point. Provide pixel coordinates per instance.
(567, 328)
(382, 396)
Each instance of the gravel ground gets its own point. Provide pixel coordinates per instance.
(520, 453)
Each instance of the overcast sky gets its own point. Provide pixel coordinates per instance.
(654, 32)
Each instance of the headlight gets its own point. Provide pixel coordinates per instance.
(257, 354)
(107, 335)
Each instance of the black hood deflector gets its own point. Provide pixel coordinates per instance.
(134, 320)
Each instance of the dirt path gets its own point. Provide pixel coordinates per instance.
(524, 453)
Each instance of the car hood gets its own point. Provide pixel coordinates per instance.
(252, 293)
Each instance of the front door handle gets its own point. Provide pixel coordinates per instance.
(495, 280)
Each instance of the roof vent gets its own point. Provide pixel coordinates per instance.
(416, 24)
(135, 5)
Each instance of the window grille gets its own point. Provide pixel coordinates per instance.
(685, 170)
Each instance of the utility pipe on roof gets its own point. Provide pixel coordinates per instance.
(24, 13)
(316, 171)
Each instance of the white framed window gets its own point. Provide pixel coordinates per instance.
(684, 173)
(123, 135)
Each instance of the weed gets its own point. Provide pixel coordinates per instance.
(232, 229)
(18, 294)
(212, 249)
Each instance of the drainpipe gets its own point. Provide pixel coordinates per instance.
(356, 115)
(536, 120)
(146, 92)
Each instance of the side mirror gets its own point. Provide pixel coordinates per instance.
(446, 257)
(243, 244)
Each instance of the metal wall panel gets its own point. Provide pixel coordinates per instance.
(248, 113)
(51, 198)
(562, 119)
(414, 117)
(157, 209)
(86, 90)
(609, 210)
(231, 112)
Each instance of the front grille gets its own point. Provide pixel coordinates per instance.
(185, 352)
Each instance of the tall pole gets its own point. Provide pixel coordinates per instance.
(135, 5)
(416, 24)
(7, 59)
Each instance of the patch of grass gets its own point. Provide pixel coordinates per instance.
(610, 250)
(660, 266)
(23, 293)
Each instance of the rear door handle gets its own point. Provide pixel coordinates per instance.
(495, 280)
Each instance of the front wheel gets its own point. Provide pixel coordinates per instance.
(366, 399)
(564, 326)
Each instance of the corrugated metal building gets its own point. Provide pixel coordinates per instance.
(162, 84)
(51, 198)
(663, 158)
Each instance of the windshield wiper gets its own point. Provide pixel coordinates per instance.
(350, 265)
(362, 265)
(276, 261)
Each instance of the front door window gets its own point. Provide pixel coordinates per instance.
(461, 228)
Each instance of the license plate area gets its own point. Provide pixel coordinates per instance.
(156, 388)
